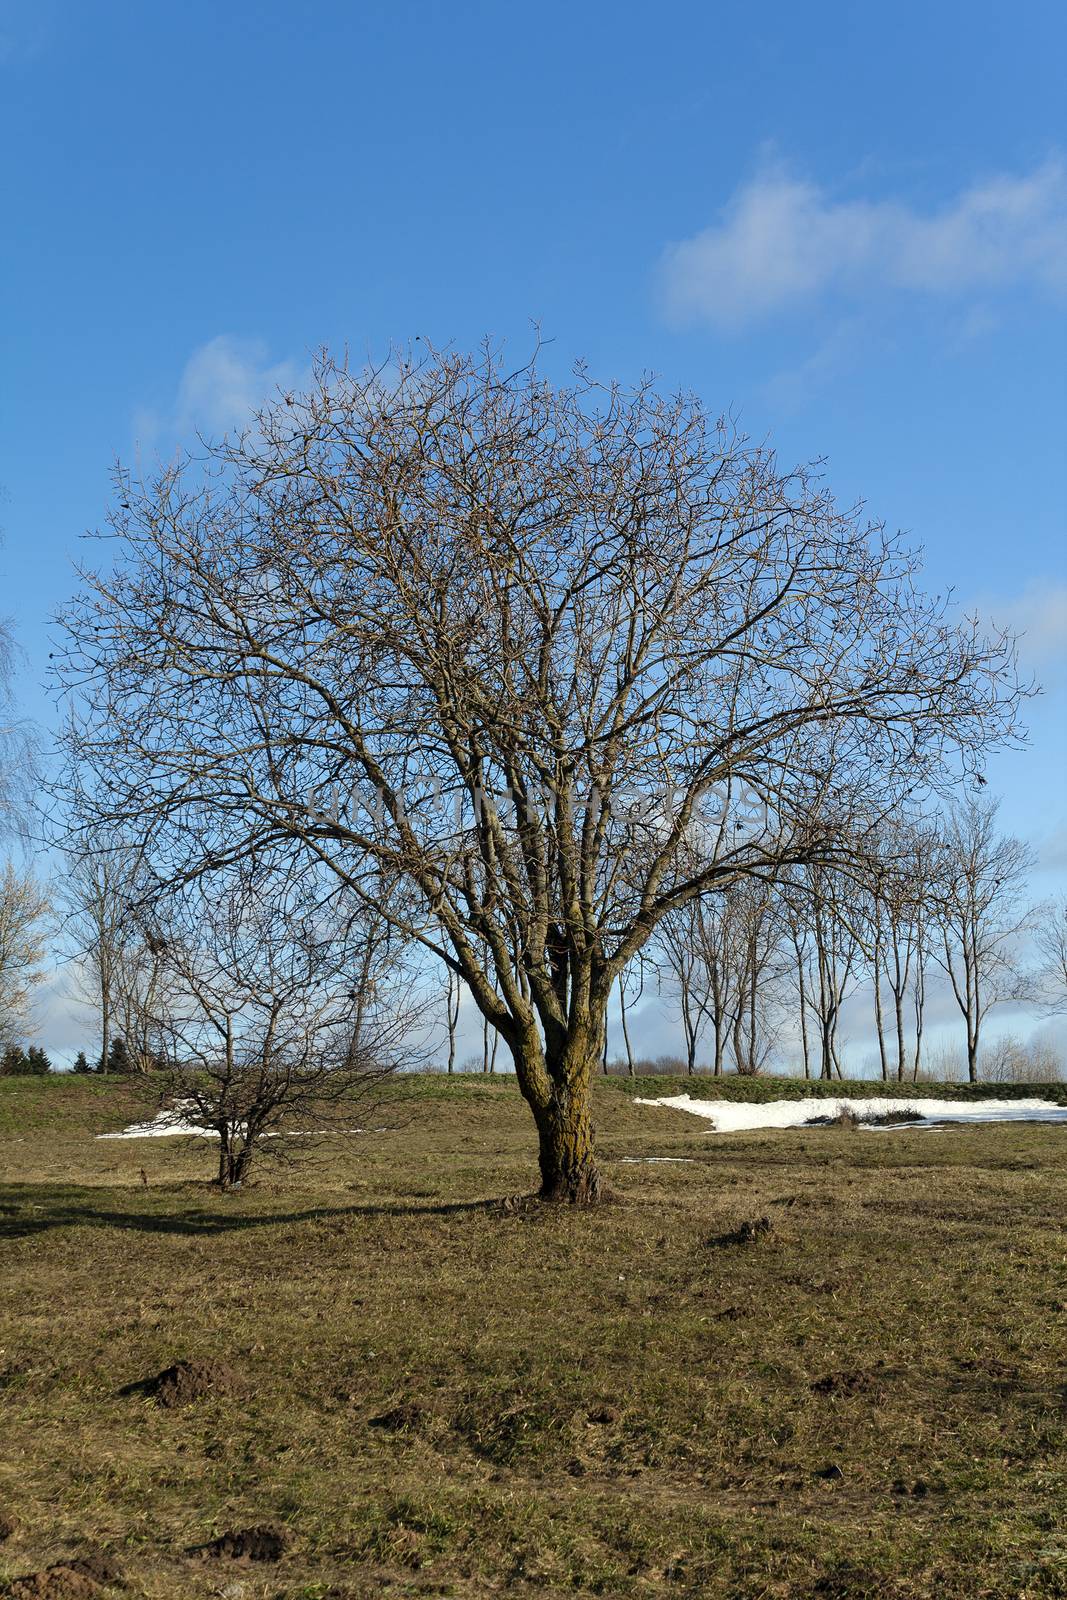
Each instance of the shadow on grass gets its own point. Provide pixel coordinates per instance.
(21, 1217)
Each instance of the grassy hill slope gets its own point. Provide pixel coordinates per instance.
(435, 1390)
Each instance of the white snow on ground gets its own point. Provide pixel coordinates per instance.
(173, 1124)
(737, 1116)
(164, 1125)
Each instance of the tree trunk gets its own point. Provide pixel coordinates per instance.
(902, 1053)
(625, 1031)
(227, 1160)
(919, 1002)
(105, 1022)
(879, 1023)
(453, 1018)
(559, 1090)
(569, 1173)
(804, 1019)
(234, 1158)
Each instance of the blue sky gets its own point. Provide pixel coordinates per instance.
(846, 223)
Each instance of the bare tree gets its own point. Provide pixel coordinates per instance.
(899, 885)
(1051, 938)
(97, 921)
(981, 877)
(683, 974)
(453, 992)
(106, 884)
(798, 933)
(24, 903)
(631, 987)
(549, 648)
(720, 956)
(19, 748)
(1011, 1060)
(761, 969)
(826, 931)
(282, 1019)
(24, 908)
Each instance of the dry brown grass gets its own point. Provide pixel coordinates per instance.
(866, 1399)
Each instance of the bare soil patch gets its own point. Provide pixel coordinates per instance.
(267, 1542)
(86, 1577)
(188, 1381)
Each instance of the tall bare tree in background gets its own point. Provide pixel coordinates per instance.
(684, 974)
(24, 902)
(900, 889)
(761, 971)
(720, 956)
(19, 749)
(24, 914)
(631, 988)
(107, 880)
(1051, 937)
(453, 995)
(981, 877)
(822, 913)
(542, 644)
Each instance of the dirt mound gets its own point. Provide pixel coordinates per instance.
(86, 1577)
(187, 1381)
(749, 1232)
(8, 1526)
(409, 1414)
(265, 1543)
(842, 1383)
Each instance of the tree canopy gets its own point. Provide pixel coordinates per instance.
(556, 661)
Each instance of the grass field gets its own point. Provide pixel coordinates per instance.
(434, 1393)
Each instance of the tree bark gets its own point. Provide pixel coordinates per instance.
(569, 1173)
(625, 1031)
(879, 1023)
(234, 1160)
(558, 1089)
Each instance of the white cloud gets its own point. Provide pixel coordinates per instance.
(1039, 617)
(783, 241)
(222, 385)
(1052, 850)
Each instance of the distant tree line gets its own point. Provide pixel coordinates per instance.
(760, 969)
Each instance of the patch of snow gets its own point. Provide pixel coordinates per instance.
(164, 1125)
(175, 1124)
(739, 1116)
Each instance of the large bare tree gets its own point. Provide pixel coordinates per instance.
(561, 659)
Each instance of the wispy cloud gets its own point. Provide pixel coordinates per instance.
(26, 29)
(221, 386)
(791, 389)
(785, 242)
(1039, 616)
